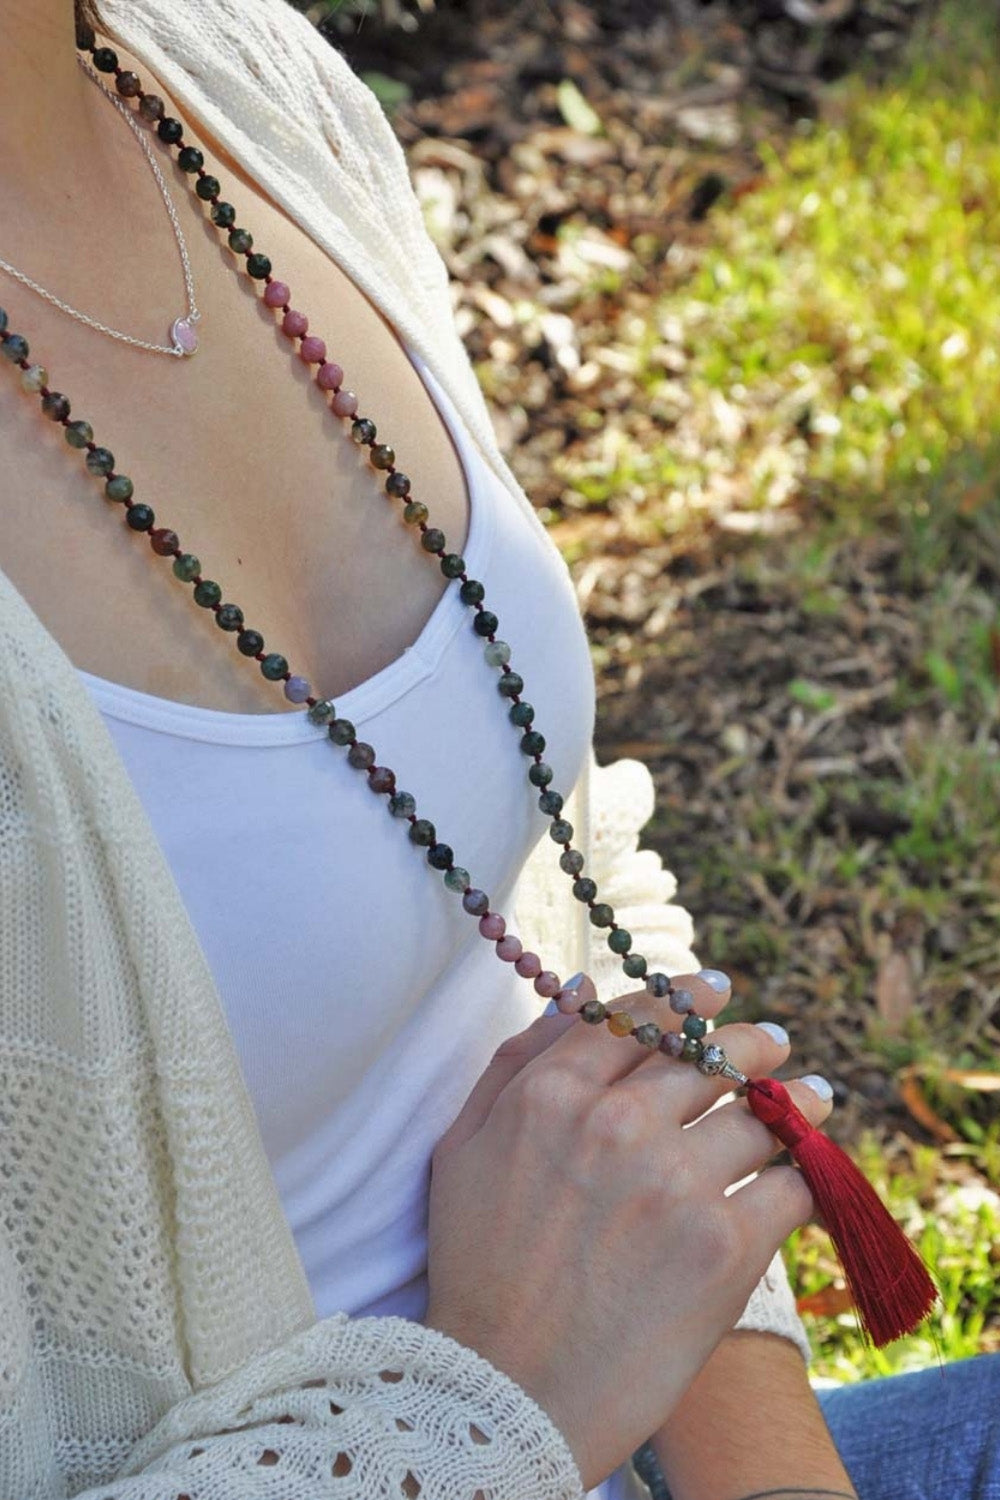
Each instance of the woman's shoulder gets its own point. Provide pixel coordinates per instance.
(264, 64)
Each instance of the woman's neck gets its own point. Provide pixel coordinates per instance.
(53, 124)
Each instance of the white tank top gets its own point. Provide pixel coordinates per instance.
(362, 1001)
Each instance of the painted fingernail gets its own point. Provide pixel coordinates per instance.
(551, 1009)
(818, 1085)
(575, 982)
(776, 1033)
(716, 980)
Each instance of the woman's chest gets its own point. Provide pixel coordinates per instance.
(238, 452)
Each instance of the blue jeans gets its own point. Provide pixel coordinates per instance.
(928, 1435)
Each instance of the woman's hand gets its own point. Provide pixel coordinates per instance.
(579, 1235)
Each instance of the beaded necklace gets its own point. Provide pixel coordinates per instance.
(891, 1287)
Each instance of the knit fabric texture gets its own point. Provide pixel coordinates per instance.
(156, 1327)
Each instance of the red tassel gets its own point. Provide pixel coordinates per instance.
(888, 1281)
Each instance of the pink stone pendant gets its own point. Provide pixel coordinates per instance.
(184, 336)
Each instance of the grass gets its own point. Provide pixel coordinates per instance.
(957, 1230)
(838, 334)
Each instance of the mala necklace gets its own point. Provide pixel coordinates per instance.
(891, 1287)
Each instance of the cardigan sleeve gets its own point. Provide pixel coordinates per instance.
(402, 1409)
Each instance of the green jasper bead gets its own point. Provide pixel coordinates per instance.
(361, 756)
(258, 266)
(100, 461)
(457, 879)
(342, 732)
(485, 622)
(190, 159)
(229, 617)
(521, 713)
(532, 743)
(398, 484)
(691, 1049)
(551, 802)
(250, 642)
(540, 774)
(33, 378)
(496, 653)
(601, 915)
(414, 512)
(170, 130)
(240, 240)
(561, 831)
(634, 966)
(140, 517)
(694, 1026)
(207, 593)
(592, 1011)
(648, 1034)
(584, 889)
(55, 405)
(619, 941)
(440, 856)
(321, 712)
(423, 832)
(571, 861)
(186, 567)
(15, 347)
(510, 684)
(472, 591)
(402, 804)
(105, 59)
(119, 488)
(274, 666)
(432, 540)
(453, 565)
(208, 187)
(223, 215)
(79, 433)
(658, 984)
(363, 430)
(382, 456)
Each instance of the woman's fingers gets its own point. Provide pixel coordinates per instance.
(511, 1056)
(768, 1209)
(733, 1143)
(688, 1093)
(603, 1058)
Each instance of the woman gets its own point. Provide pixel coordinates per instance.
(226, 1266)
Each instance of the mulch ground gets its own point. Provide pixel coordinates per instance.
(700, 633)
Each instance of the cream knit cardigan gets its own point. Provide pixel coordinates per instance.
(155, 1320)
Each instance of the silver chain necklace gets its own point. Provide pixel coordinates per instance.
(182, 331)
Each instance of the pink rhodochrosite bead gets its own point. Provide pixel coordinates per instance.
(509, 948)
(276, 294)
(312, 350)
(492, 925)
(568, 1002)
(329, 376)
(528, 965)
(345, 403)
(294, 323)
(548, 984)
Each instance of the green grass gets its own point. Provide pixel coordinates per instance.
(858, 291)
(957, 1230)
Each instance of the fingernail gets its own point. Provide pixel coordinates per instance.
(818, 1085)
(776, 1033)
(551, 1009)
(575, 982)
(716, 979)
